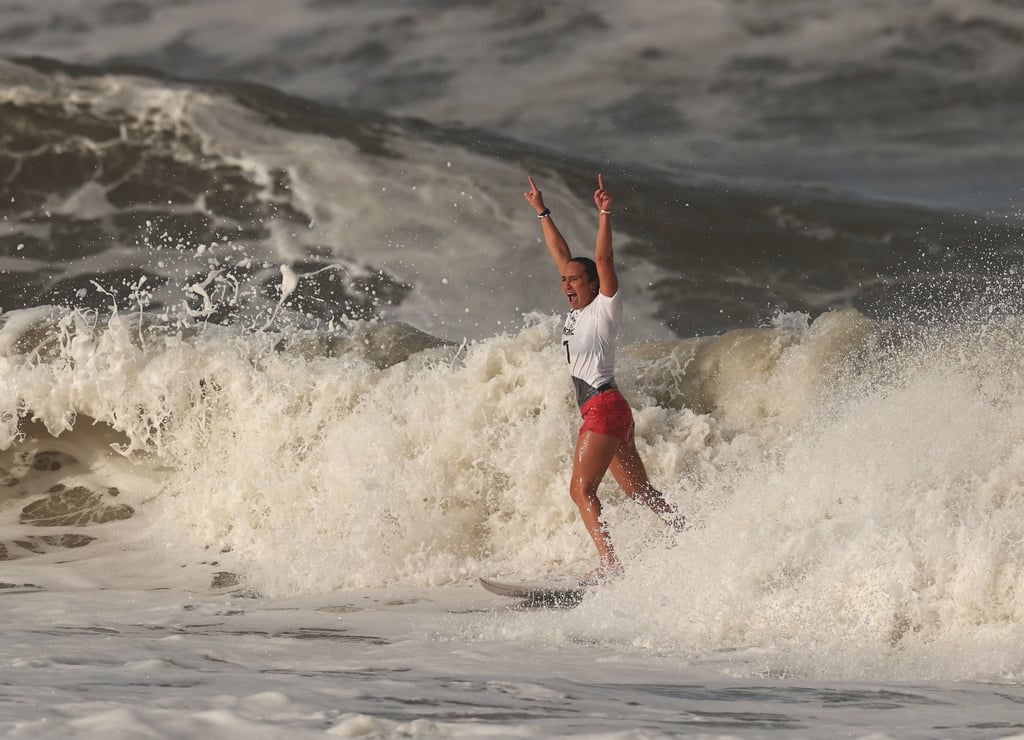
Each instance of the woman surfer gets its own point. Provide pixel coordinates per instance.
(605, 439)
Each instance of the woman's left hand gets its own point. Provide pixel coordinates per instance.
(602, 198)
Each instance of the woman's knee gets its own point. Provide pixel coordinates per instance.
(632, 478)
(583, 492)
(640, 490)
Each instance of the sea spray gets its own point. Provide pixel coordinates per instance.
(856, 509)
(375, 455)
(881, 536)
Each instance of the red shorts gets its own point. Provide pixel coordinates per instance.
(609, 414)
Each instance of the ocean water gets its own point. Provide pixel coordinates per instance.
(278, 346)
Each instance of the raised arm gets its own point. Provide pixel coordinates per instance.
(603, 255)
(552, 236)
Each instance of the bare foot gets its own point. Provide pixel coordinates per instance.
(600, 575)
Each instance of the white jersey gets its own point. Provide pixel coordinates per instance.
(588, 338)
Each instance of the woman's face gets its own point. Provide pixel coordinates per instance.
(578, 288)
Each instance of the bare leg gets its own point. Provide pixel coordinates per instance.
(594, 453)
(631, 475)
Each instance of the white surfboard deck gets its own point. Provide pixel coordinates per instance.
(537, 594)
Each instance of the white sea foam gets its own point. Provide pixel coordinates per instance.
(880, 535)
(450, 223)
(854, 499)
(840, 494)
(225, 531)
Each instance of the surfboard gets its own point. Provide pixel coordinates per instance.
(537, 594)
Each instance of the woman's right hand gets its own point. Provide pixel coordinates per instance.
(534, 197)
